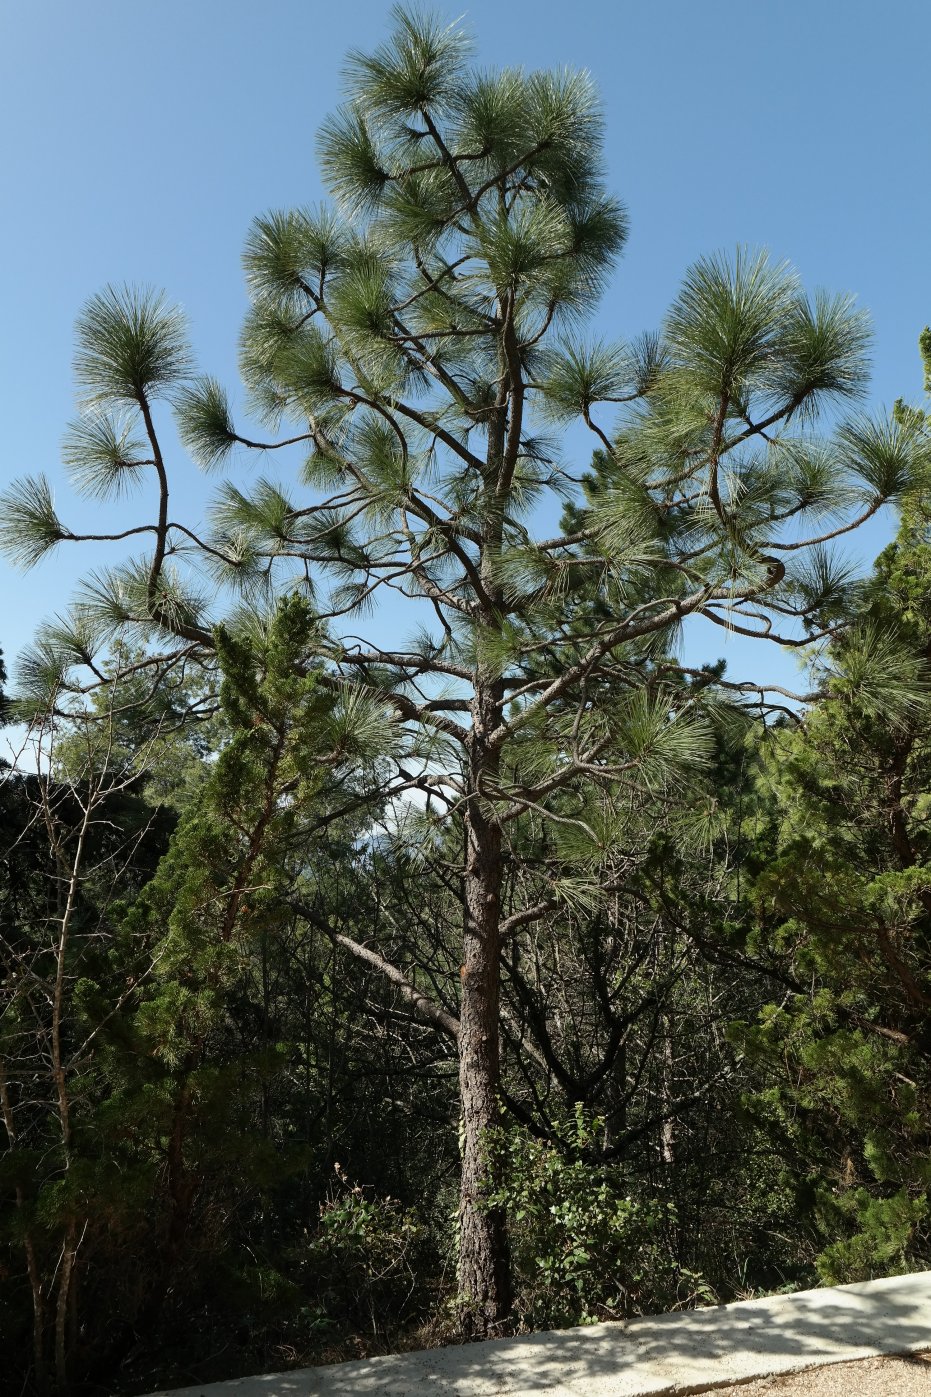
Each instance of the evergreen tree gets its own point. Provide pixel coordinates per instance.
(419, 337)
(844, 901)
(141, 1042)
(66, 843)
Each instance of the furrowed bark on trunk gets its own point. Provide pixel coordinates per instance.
(484, 1258)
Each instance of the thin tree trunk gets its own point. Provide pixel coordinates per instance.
(668, 1126)
(62, 1308)
(32, 1263)
(71, 1240)
(38, 1307)
(182, 1192)
(484, 1257)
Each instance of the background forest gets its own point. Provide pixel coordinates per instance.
(370, 986)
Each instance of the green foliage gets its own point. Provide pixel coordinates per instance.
(891, 458)
(31, 524)
(419, 67)
(132, 346)
(744, 326)
(578, 375)
(286, 250)
(104, 459)
(369, 1262)
(843, 896)
(880, 676)
(883, 1242)
(727, 320)
(584, 1248)
(204, 423)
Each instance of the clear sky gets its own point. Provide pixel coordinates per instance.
(138, 140)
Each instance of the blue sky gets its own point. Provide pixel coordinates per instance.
(138, 140)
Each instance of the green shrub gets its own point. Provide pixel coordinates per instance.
(583, 1248)
(372, 1265)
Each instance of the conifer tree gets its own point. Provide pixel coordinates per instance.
(420, 340)
(66, 842)
(843, 902)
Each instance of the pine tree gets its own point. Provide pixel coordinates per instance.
(420, 337)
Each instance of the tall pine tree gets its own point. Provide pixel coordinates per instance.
(417, 341)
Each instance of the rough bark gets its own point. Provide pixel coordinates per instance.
(484, 1257)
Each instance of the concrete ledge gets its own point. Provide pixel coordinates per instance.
(688, 1351)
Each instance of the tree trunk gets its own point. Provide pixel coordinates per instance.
(32, 1264)
(668, 1126)
(484, 1257)
(62, 1307)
